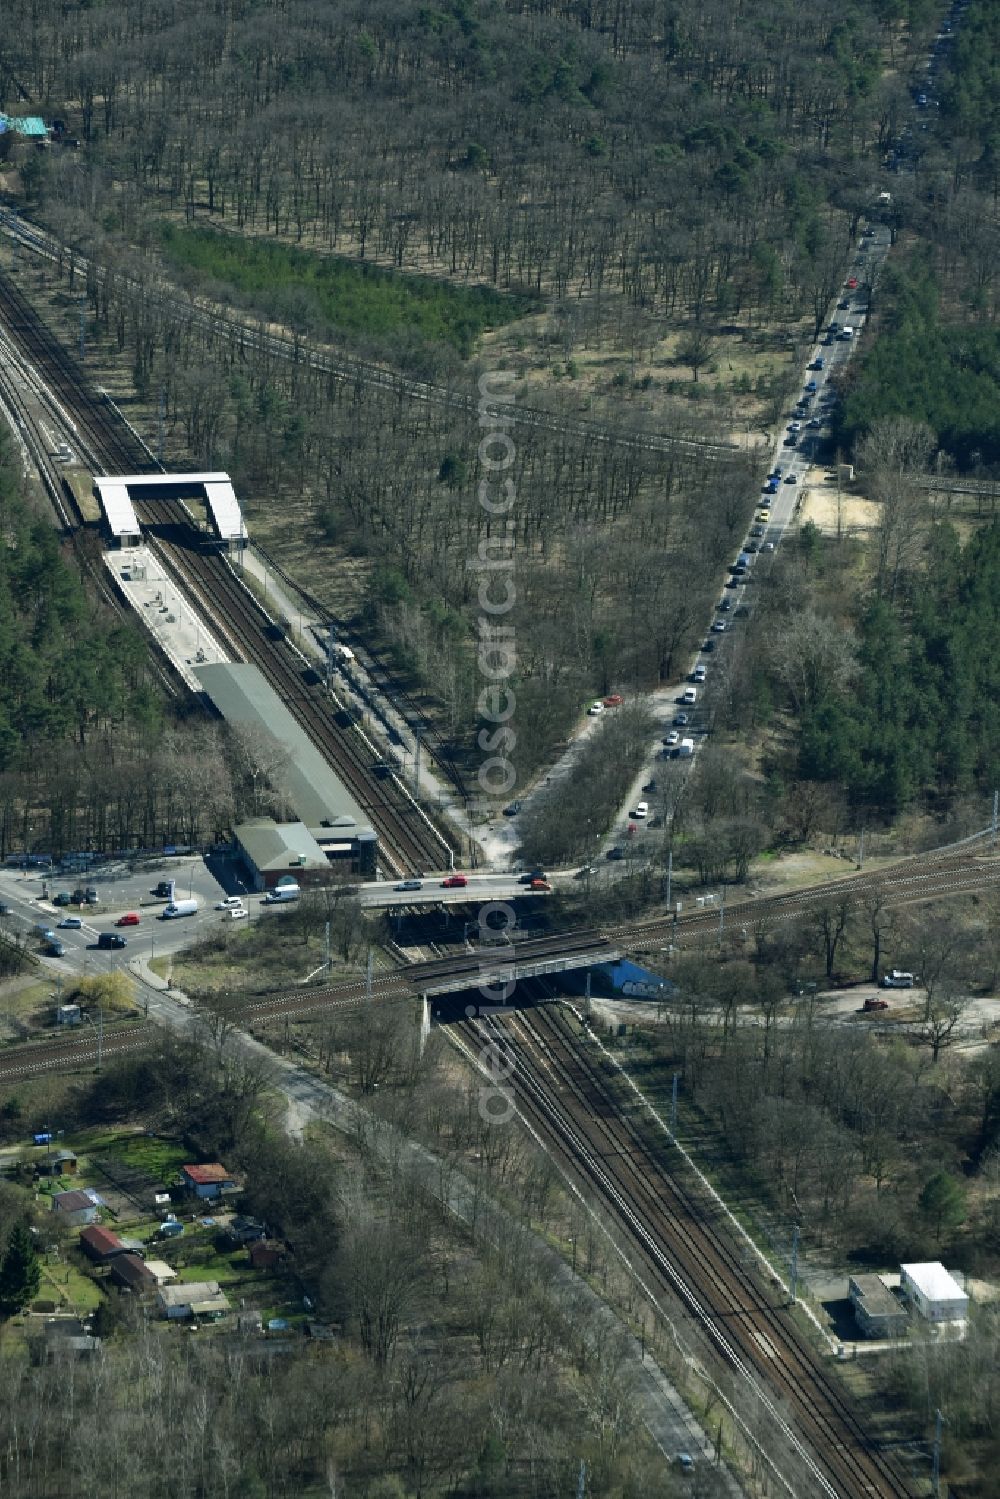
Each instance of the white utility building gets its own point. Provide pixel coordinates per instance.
(935, 1294)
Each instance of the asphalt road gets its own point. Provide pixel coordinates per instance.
(122, 889)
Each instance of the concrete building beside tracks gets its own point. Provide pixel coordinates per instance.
(330, 829)
(877, 1311)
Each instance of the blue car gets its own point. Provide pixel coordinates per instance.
(810, 386)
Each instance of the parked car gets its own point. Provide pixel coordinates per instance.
(616, 853)
(229, 903)
(649, 787)
(681, 720)
(238, 913)
(62, 899)
(454, 882)
(875, 1004)
(700, 673)
(613, 700)
(512, 809)
(641, 811)
(718, 626)
(794, 478)
(91, 897)
(539, 884)
(595, 709)
(72, 922)
(672, 738)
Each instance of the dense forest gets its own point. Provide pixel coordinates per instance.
(931, 369)
(68, 668)
(922, 712)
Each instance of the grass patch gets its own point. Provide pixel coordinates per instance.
(64, 1284)
(363, 300)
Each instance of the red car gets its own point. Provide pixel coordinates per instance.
(852, 282)
(613, 700)
(131, 918)
(454, 882)
(876, 1004)
(539, 885)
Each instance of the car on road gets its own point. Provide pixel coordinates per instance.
(454, 882)
(131, 918)
(671, 739)
(409, 885)
(795, 426)
(111, 939)
(794, 478)
(791, 441)
(238, 913)
(595, 709)
(725, 603)
(700, 673)
(768, 546)
(613, 700)
(533, 874)
(681, 720)
(750, 547)
(757, 531)
(513, 809)
(616, 853)
(817, 364)
(62, 899)
(811, 385)
(641, 810)
(72, 922)
(852, 283)
(718, 626)
(229, 903)
(649, 788)
(685, 1461)
(539, 883)
(844, 306)
(763, 515)
(708, 646)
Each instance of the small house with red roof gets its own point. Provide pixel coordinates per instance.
(208, 1180)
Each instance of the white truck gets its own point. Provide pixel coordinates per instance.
(685, 749)
(176, 908)
(281, 893)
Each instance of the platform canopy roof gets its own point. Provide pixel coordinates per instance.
(117, 506)
(223, 506)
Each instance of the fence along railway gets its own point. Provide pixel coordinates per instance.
(409, 841)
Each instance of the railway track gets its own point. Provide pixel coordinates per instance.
(34, 1058)
(922, 878)
(569, 1101)
(346, 370)
(409, 841)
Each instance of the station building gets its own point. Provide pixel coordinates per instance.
(330, 828)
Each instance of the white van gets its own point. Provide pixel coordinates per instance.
(282, 893)
(177, 908)
(897, 978)
(690, 695)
